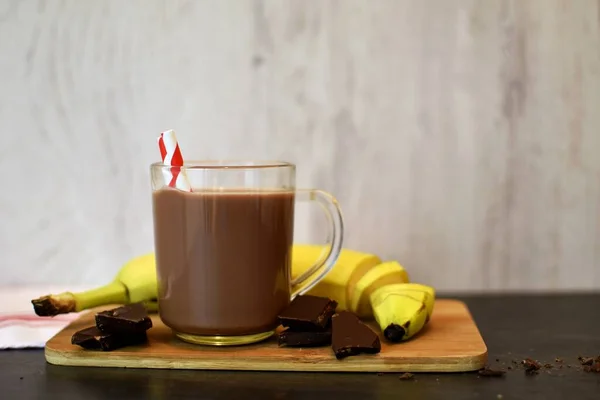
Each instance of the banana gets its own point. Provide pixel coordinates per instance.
(340, 283)
(135, 282)
(383, 274)
(410, 288)
(359, 282)
(353, 278)
(402, 310)
(139, 277)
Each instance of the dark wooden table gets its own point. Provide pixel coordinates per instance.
(514, 327)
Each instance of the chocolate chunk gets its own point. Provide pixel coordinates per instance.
(131, 318)
(308, 313)
(585, 360)
(351, 337)
(94, 339)
(595, 367)
(487, 372)
(304, 339)
(531, 366)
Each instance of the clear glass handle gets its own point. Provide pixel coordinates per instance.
(331, 252)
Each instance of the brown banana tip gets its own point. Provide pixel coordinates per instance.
(49, 306)
(44, 307)
(394, 333)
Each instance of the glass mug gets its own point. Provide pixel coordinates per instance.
(223, 251)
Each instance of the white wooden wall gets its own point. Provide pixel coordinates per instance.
(460, 136)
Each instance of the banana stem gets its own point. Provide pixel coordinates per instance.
(113, 293)
(63, 303)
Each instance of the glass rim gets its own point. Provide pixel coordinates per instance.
(228, 164)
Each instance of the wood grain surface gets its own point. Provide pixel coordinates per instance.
(450, 343)
(460, 136)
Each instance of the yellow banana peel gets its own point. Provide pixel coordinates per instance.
(340, 283)
(402, 310)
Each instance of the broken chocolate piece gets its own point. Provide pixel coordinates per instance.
(595, 367)
(487, 372)
(308, 313)
(585, 360)
(94, 339)
(531, 366)
(304, 339)
(350, 336)
(128, 319)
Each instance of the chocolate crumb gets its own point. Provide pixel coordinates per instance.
(531, 366)
(406, 376)
(509, 367)
(558, 360)
(592, 368)
(21, 377)
(490, 372)
(497, 360)
(585, 360)
(515, 362)
(548, 366)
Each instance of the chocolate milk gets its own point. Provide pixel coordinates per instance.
(223, 259)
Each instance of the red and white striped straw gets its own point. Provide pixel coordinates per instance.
(171, 155)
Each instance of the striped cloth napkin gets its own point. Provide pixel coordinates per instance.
(20, 327)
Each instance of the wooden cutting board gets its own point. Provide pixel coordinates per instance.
(450, 342)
